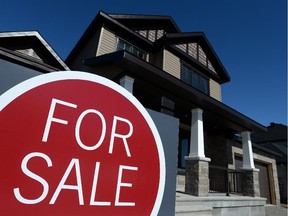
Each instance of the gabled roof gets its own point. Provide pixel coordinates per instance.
(100, 20)
(125, 24)
(143, 21)
(171, 40)
(276, 133)
(30, 49)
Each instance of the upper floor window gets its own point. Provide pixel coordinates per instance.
(194, 79)
(123, 45)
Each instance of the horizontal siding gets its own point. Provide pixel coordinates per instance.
(107, 42)
(192, 50)
(202, 56)
(171, 64)
(215, 90)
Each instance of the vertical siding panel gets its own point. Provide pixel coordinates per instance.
(171, 64)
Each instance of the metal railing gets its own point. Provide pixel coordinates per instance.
(223, 180)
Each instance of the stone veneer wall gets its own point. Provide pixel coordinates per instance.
(264, 158)
(197, 177)
(250, 183)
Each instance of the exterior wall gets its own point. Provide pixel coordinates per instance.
(216, 149)
(274, 186)
(151, 34)
(171, 64)
(215, 90)
(156, 59)
(89, 50)
(12, 74)
(195, 51)
(107, 42)
(282, 177)
(202, 56)
(30, 52)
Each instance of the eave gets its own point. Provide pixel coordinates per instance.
(170, 40)
(26, 61)
(103, 19)
(32, 39)
(216, 111)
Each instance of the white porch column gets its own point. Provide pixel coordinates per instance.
(197, 135)
(197, 165)
(248, 162)
(127, 83)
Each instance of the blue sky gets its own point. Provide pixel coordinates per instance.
(249, 37)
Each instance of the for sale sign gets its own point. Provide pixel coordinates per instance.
(73, 143)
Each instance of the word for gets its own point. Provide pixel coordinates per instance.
(75, 163)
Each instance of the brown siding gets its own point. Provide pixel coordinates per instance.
(171, 64)
(202, 56)
(107, 42)
(152, 35)
(192, 50)
(182, 47)
(215, 90)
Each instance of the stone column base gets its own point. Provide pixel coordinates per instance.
(197, 176)
(250, 182)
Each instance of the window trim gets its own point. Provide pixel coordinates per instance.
(133, 47)
(190, 77)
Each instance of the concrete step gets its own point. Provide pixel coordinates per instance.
(219, 204)
(190, 210)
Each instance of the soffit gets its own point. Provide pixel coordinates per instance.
(32, 40)
(171, 40)
(216, 112)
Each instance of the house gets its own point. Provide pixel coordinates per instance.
(24, 55)
(275, 139)
(178, 74)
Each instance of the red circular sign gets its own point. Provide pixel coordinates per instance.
(74, 143)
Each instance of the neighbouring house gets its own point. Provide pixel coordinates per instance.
(177, 74)
(24, 55)
(275, 139)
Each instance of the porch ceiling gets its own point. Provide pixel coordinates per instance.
(152, 83)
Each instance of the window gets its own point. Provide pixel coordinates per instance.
(123, 45)
(194, 79)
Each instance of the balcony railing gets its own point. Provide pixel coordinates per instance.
(223, 180)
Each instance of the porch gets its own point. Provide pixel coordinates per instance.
(225, 196)
(217, 204)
